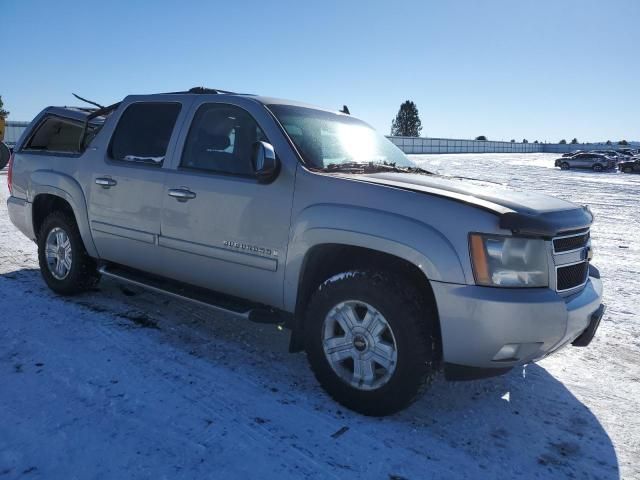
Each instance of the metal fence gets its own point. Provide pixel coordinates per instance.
(13, 130)
(417, 145)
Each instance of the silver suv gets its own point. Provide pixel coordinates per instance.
(276, 211)
(598, 162)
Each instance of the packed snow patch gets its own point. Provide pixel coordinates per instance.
(88, 390)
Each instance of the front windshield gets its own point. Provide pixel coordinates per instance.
(327, 140)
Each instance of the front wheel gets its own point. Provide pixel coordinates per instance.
(370, 341)
(597, 167)
(564, 166)
(64, 263)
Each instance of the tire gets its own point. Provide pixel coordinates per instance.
(80, 270)
(564, 166)
(627, 170)
(410, 319)
(597, 167)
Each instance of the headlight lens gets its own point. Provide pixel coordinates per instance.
(508, 261)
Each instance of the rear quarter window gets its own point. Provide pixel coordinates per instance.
(56, 134)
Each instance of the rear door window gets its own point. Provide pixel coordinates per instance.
(143, 133)
(56, 134)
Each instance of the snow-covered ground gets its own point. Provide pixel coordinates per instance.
(121, 383)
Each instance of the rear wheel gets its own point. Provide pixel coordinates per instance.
(64, 263)
(370, 341)
(564, 166)
(597, 167)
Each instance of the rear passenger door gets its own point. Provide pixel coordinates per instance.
(228, 232)
(126, 185)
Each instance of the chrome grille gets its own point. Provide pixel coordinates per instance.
(568, 243)
(571, 276)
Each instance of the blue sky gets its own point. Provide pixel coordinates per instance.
(543, 69)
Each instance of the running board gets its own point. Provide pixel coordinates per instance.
(216, 301)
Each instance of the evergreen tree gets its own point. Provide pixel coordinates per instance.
(407, 122)
(608, 142)
(623, 142)
(524, 140)
(3, 112)
(481, 137)
(562, 142)
(574, 141)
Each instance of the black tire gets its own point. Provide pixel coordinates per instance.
(564, 166)
(597, 167)
(83, 274)
(411, 318)
(627, 170)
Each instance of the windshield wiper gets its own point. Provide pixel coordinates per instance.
(371, 167)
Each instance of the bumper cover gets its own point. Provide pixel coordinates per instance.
(20, 215)
(479, 323)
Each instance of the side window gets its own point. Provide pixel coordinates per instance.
(55, 134)
(221, 139)
(143, 133)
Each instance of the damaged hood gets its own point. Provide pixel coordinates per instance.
(521, 212)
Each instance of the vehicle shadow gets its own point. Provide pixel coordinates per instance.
(524, 424)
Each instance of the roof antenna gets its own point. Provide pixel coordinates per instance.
(87, 101)
(345, 109)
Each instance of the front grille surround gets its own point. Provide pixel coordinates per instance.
(571, 275)
(571, 243)
(570, 260)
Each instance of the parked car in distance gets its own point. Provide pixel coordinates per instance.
(618, 157)
(5, 154)
(571, 154)
(279, 212)
(587, 160)
(632, 166)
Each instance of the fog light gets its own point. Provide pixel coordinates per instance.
(507, 352)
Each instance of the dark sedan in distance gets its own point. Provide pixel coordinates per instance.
(632, 166)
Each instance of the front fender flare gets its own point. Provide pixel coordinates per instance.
(404, 237)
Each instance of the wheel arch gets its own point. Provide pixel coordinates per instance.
(326, 260)
(49, 190)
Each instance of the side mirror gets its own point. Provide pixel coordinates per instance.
(264, 161)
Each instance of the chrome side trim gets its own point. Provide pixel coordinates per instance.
(217, 253)
(122, 232)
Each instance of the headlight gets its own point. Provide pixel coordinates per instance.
(508, 261)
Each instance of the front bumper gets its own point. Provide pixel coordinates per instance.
(487, 331)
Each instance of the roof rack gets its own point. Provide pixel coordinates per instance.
(201, 91)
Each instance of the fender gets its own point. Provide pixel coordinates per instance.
(67, 188)
(414, 241)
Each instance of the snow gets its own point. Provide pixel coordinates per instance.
(122, 383)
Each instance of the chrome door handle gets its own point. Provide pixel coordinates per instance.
(181, 194)
(106, 182)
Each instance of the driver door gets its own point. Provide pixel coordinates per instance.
(221, 228)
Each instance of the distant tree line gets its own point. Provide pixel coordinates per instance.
(407, 123)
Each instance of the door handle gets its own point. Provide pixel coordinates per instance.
(106, 182)
(181, 194)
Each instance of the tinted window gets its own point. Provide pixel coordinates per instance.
(221, 139)
(143, 132)
(56, 134)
